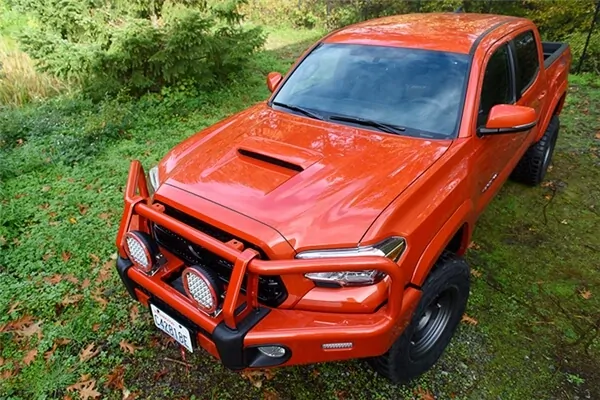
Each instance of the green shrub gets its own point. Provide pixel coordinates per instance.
(591, 63)
(142, 46)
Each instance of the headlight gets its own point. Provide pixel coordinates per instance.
(391, 248)
(153, 179)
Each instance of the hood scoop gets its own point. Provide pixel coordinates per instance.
(270, 160)
(280, 154)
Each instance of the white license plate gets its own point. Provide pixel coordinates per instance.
(171, 327)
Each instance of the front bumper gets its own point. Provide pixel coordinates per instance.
(243, 324)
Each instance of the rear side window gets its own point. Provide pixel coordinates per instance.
(528, 62)
(497, 85)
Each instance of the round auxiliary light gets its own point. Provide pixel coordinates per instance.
(141, 250)
(203, 287)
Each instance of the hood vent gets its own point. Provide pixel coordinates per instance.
(271, 160)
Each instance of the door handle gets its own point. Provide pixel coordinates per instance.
(542, 95)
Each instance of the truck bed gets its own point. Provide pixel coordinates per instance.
(553, 50)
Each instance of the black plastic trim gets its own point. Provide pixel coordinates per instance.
(523, 128)
(259, 360)
(123, 265)
(557, 48)
(230, 342)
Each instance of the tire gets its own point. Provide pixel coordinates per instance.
(440, 310)
(532, 167)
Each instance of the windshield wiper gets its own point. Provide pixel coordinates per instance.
(299, 109)
(368, 122)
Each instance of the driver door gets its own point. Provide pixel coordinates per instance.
(494, 152)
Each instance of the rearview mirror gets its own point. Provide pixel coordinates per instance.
(273, 80)
(507, 118)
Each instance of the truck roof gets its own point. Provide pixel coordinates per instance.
(452, 32)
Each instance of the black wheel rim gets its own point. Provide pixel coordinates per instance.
(433, 322)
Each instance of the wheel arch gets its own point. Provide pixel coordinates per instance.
(454, 236)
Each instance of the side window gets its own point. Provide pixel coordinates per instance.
(497, 84)
(528, 62)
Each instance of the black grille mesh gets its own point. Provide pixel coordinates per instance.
(271, 291)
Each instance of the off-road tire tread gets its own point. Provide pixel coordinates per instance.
(531, 170)
(393, 364)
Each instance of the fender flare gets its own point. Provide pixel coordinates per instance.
(461, 217)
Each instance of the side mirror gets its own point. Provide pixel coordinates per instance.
(506, 118)
(273, 80)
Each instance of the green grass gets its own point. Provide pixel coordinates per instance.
(64, 164)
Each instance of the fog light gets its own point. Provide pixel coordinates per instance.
(272, 351)
(203, 287)
(141, 250)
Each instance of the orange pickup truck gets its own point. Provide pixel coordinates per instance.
(329, 222)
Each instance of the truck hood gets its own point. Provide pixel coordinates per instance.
(318, 184)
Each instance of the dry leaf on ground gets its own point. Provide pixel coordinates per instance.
(469, 320)
(586, 294)
(476, 273)
(30, 356)
(128, 347)
(134, 313)
(115, 378)
(89, 352)
(71, 299)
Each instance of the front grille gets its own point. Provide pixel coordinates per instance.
(271, 291)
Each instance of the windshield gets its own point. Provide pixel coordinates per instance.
(418, 90)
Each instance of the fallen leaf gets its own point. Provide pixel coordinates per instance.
(82, 208)
(73, 220)
(1, 361)
(315, 373)
(586, 294)
(564, 222)
(256, 377)
(469, 320)
(114, 380)
(2, 240)
(47, 256)
(85, 284)
(54, 279)
(95, 258)
(547, 184)
(7, 374)
(160, 374)
(30, 356)
(133, 313)
(44, 206)
(72, 278)
(17, 324)
(88, 353)
(14, 307)
(547, 197)
(66, 256)
(104, 216)
(85, 388)
(97, 296)
(72, 299)
(105, 272)
(473, 246)
(423, 394)
(598, 136)
(271, 394)
(50, 353)
(45, 188)
(475, 273)
(129, 395)
(95, 327)
(128, 347)
(33, 329)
